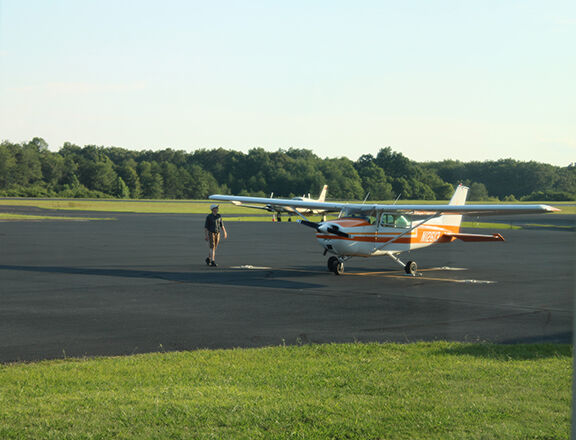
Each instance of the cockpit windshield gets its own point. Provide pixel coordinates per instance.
(369, 215)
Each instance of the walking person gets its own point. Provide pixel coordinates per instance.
(213, 227)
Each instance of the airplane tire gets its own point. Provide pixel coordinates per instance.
(339, 270)
(332, 262)
(411, 267)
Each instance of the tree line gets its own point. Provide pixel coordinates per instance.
(32, 170)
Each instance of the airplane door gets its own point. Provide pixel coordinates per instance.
(383, 221)
(386, 224)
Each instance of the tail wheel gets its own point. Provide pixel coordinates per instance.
(411, 268)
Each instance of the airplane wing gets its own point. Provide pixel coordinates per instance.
(417, 209)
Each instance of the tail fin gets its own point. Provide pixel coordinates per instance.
(458, 198)
(322, 196)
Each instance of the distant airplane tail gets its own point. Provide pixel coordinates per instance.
(322, 196)
(458, 199)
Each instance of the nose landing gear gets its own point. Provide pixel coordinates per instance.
(336, 265)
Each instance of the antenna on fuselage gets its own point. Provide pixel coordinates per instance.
(397, 198)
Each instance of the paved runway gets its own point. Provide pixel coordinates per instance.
(139, 284)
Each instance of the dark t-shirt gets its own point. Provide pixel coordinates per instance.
(213, 223)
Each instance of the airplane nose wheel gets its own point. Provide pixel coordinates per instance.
(335, 265)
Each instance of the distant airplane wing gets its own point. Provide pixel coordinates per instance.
(265, 207)
(270, 203)
(440, 209)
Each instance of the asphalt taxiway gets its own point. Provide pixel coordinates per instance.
(139, 284)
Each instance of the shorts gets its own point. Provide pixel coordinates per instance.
(213, 239)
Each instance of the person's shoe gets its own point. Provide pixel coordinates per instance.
(213, 264)
(207, 261)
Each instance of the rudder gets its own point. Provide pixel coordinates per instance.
(458, 199)
(322, 196)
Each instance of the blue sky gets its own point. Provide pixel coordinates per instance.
(435, 80)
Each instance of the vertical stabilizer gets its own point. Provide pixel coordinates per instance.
(458, 198)
(322, 196)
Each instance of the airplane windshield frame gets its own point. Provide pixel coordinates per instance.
(382, 219)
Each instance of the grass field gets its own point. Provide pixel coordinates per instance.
(24, 217)
(336, 391)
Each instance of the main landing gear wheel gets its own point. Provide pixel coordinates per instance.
(335, 265)
(411, 268)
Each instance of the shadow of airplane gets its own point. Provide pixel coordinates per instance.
(279, 279)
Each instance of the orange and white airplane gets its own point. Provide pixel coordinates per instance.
(365, 230)
(277, 209)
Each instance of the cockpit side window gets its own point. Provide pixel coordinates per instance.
(394, 221)
(402, 222)
(387, 220)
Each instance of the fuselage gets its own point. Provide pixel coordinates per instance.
(368, 237)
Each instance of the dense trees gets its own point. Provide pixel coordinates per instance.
(30, 169)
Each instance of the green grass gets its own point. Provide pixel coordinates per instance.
(337, 391)
(170, 206)
(192, 207)
(565, 209)
(484, 225)
(24, 217)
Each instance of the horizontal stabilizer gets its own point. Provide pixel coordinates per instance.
(475, 237)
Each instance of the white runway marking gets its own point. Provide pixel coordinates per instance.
(448, 268)
(250, 267)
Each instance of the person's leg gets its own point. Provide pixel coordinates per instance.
(210, 248)
(214, 239)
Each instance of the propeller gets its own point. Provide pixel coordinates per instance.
(325, 227)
